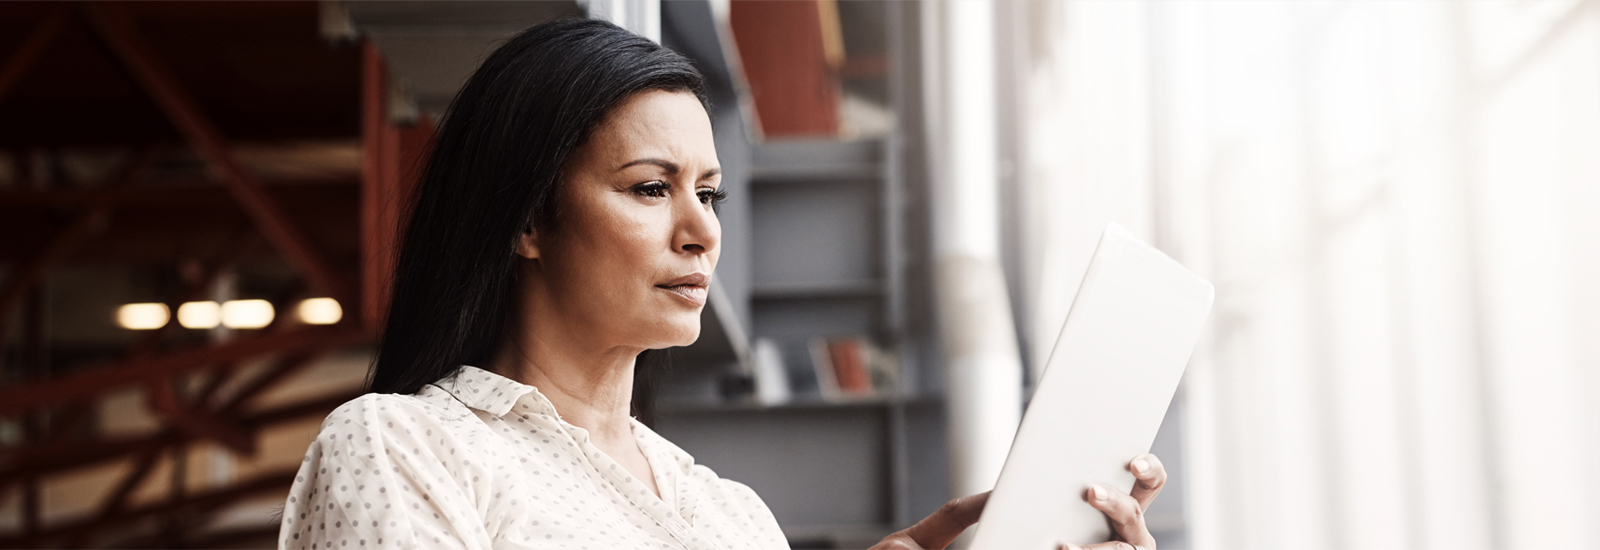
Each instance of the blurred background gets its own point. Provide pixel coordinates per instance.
(1398, 202)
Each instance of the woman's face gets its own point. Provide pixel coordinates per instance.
(635, 239)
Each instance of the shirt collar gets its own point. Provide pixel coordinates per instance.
(650, 438)
(492, 393)
(497, 395)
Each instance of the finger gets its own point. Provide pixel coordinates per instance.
(1113, 545)
(1151, 476)
(1124, 512)
(897, 541)
(936, 531)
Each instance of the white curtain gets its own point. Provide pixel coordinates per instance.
(1399, 203)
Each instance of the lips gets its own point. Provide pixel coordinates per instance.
(691, 287)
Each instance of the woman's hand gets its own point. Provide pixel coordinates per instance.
(936, 531)
(1125, 511)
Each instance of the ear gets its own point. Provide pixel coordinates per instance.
(528, 243)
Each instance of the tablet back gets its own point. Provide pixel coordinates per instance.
(1105, 389)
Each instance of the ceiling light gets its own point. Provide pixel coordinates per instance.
(199, 315)
(319, 311)
(247, 313)
(143, 316)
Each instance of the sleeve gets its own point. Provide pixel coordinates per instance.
(365, 483)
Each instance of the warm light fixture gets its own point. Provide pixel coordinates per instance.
(247, 313)
(319, 311)
(143, 316)
(199, 315)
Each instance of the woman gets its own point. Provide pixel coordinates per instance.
(564, 225)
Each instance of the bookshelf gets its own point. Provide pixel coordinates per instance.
(826, 259)
(822, 237)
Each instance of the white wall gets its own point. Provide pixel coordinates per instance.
(1400, 205)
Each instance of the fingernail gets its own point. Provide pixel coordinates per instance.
(1139, 466)
(1098, 492)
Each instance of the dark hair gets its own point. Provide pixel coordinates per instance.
(494, 170)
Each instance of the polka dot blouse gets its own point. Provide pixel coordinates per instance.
(480, 461)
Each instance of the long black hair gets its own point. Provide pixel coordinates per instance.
(494, 171)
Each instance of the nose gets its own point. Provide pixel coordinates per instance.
(696, 229)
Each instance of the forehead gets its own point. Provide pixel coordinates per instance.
(654, 124)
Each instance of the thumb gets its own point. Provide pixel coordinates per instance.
(936, 531)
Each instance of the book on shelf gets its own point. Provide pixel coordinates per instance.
(851, 366)
(771, 377)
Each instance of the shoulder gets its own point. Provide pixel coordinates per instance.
(374, 422)
(379, 411)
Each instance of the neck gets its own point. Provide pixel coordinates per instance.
(592, 388)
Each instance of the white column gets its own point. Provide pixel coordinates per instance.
(982, 365)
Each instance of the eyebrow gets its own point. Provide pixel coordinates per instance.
(670, 167)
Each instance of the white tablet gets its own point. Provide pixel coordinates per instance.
(1105, 389)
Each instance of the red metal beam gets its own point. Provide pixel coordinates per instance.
(198, 422)
(85, 224)
(208, 500)
(284, 367)
(224, 538)
(40, 462)
(375, 136)
(62, 245)
(23, 58)
(90, 220)
(117, 500)
(392, 159)
(116, 28)
(68, 423)
(309, 407)
(94, 381)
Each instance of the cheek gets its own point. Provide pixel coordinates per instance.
(619, 245)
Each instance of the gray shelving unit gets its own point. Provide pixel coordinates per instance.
(832, 233)
(826, 258)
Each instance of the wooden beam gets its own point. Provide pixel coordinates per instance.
(22, 59)
(116, 28)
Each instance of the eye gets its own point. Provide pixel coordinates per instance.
(712, 196)
(652, 189)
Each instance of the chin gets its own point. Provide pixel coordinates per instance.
(685, 336)
(671, 331)
(682, 332)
